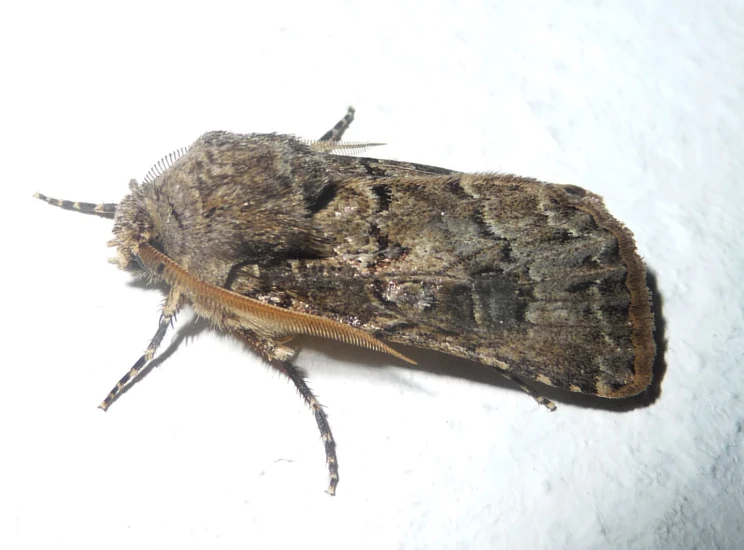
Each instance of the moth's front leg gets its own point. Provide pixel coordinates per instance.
(280, 356)
(173, 303)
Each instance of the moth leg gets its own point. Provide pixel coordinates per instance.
(279, 356)
(296, 376)
(335, 133)
(172, 304)
(545, 402)
(105, 210)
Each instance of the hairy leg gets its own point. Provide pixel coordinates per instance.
(337, 132)
(170, 308)
(279, 356)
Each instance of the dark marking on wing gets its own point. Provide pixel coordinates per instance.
(384, 195)
(499, 304)
(455, 187)
(372, 170)
(319, 202)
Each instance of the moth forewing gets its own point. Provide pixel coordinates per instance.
(231, 310)
(268, 236)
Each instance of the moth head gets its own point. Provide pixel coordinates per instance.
(133, 226)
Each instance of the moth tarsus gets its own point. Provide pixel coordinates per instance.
(172, 305)
(542, 401)
(295, 375)
(269, 237)
(337, 132)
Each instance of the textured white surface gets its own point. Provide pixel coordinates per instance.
(639, 101)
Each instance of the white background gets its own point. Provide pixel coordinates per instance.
(639, 101)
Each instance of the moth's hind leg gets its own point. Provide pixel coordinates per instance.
(545, 402)
(337, 132)
(279, 356)
(170, 308)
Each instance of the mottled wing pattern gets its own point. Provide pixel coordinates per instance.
(512, 272)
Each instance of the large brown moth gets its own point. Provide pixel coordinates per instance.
(269, 237)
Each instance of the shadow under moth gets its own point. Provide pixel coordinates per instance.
(269, 237)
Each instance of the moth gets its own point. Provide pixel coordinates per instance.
(269, 237)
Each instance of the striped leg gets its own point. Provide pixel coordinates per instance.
(279, 356)
(545, 402)
(106, 210)
(295, 375)
(170, 308)
(337, 132)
